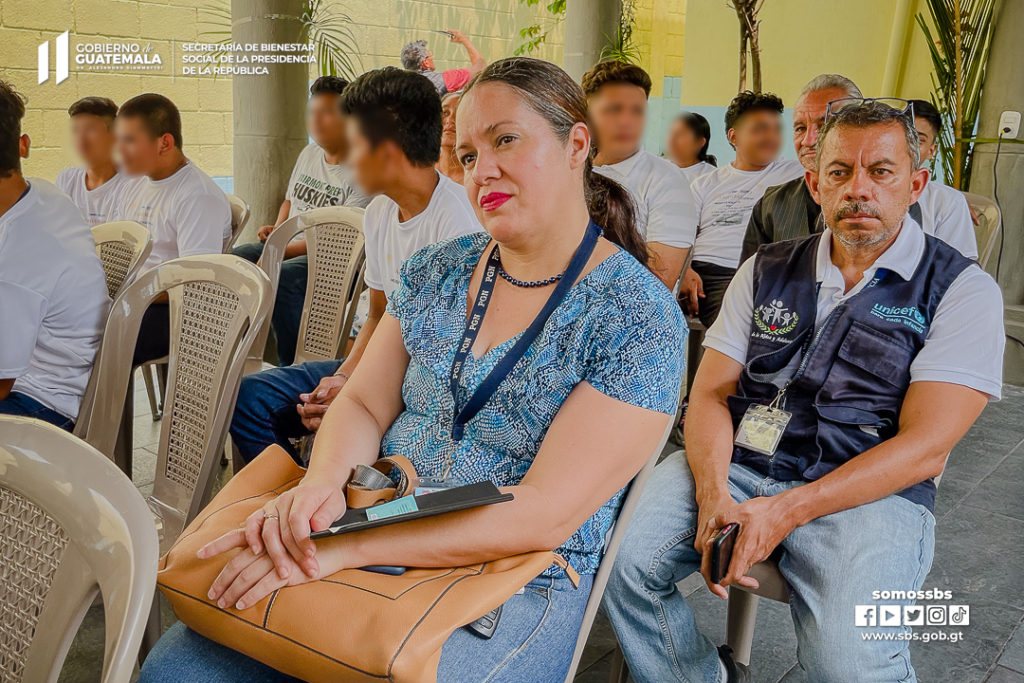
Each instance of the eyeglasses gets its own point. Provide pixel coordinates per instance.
(899, 106)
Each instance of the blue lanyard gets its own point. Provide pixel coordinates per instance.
(509, 360)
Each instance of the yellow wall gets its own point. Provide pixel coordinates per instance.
(800, 39)
(381, 28)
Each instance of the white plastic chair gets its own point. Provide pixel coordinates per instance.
(123, 246)
(987, 230)
(71, 526)
(611, 549)
(239, 218)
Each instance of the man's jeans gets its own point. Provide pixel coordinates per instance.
(24, 405)
(534, 642)
(291, 295)
(832, 564)
(265, 411)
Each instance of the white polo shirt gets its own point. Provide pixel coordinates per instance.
(665, 208)
(53, 298)
(186, 213)
(965, 340)
(97, 204)
(725, 199)
(389, 242)
(945, 214)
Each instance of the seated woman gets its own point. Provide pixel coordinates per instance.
(566, 430)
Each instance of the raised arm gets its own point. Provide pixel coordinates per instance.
(476, 60)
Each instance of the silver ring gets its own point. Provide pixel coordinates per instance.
(272, 515)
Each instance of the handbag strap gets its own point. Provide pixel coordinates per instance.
(371, 485)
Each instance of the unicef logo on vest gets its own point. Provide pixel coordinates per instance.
(910, 316)
(775, 319)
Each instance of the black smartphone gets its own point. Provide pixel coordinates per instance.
(721, 551)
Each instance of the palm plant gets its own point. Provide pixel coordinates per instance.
(622, 48)
(959, 49)
(323, 25)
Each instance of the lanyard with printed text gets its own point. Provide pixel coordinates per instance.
(476, 317)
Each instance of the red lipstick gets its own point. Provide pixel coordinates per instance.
(493, 200)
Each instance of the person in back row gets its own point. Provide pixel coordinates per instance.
(53, 293)
(418, 58)
(944, 209)
(834, 384)
(394, 126)
(726, 196)
(788, 211)
(449, 164)
(94, 186)
(319, 178)
(184, 210)
(687, 145)
(617, 102)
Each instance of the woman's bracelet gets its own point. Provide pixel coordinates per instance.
(342, 373)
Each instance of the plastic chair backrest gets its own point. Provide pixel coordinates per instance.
(123, 246)
(334, 248)
(611, 549)
(239, 217)
(218, 302)
(71, 525)
(988, 227)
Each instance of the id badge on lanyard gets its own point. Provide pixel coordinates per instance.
(762, 427)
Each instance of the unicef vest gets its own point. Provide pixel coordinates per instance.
(846, 397)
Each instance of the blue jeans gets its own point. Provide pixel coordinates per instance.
(534, 642)
(832, 564)
(265, 411)
(24, 405)
(291, 295)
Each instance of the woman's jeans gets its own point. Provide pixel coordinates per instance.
(534, 641)
(832, 564)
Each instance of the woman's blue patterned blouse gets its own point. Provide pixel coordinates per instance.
(618, 329)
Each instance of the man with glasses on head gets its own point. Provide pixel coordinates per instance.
(788, 210)
(841, 371)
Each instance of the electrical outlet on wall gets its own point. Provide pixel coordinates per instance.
(1009, 124)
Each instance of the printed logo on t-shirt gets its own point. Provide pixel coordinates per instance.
(314, 193)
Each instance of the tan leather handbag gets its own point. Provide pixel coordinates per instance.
(353, 625)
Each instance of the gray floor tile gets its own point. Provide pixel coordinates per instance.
(978, 556)
(1003, 490)
(1013, 654)
(1004, 675)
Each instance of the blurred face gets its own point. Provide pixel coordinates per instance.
(92, 138)
(374, 166)
(518, 173)
(757, 137)
(324, 121)
(449, 106)
(927, 139)
(808, 117)
(683, 144)
(866, 182)
(140, 152)
(618, 112)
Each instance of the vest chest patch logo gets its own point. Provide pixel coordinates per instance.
(775, 319)
(910, 316)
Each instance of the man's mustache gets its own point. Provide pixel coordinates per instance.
(852, 208)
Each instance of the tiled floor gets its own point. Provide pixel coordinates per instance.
(979, 556)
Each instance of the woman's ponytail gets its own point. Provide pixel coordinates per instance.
(612, 207)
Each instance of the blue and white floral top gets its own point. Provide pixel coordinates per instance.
(618, 329)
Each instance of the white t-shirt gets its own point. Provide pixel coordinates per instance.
(945, 214)
(697, 170)
(390, 242)
(97, 204)
(964, 343)
(665, 208)
(53, 298)
(315, 183)
(186, 213)
(725, 199)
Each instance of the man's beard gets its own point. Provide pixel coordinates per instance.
(860, 239)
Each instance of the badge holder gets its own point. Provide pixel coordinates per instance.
(762, 426)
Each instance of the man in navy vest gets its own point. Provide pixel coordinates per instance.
(842, 370)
